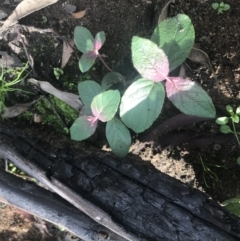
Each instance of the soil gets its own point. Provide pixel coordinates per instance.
(214, 169)
(17, 225)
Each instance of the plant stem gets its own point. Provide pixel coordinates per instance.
(104, 63)
(56, 113)
(235, 133)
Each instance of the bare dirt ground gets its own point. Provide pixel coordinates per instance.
(213, 169)
(17, 225)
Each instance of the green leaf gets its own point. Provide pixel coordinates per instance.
(215, 6)
(87, 91)
(99, 40)
(222, 120)
(149, 60)
(220, 10)
(118, 137)
(82, 128)
(110, 79)
(141, 104)
(221, 5)
(238, 160)
(226, 7)
(105, 105)
(235, 118)
(238, 110)
(83, 39)
(189, 97)
(229, 109)
(87, 60)
(225, 129)
(233, 206)
(176, 37)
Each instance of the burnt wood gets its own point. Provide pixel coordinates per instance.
(49, 206)
(144, 203)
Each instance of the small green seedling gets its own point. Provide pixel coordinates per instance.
(220, 7)
(7, 85)
(44, 19)
(58, 72)
(89, 46)
(207, 171)
(225, 128)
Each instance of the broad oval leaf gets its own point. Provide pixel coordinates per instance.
(87, 60)
(105, 105)
(189, 97)
(83, 39)
(99, 40)
(149, 60)
(141, 104)
(215, 6)
(87, 91)
(176, 37)
(222, 120)
(235, 118)
(225, 129)
(226, 7)
(229, 109)
(118, 137)
(110, 79)
(82, 128)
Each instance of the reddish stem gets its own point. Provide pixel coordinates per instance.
(104, 63)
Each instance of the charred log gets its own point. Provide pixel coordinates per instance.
(132, 195)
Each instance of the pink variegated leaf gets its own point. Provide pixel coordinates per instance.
(176, 84)
(149, 60)
(83, 127)
(189, 97)
(87, 60)
(99, 40)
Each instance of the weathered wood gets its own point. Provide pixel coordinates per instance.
(147, 203)
(48, 206)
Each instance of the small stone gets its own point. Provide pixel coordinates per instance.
(37, 118)
(216, 147)
(69, 8)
